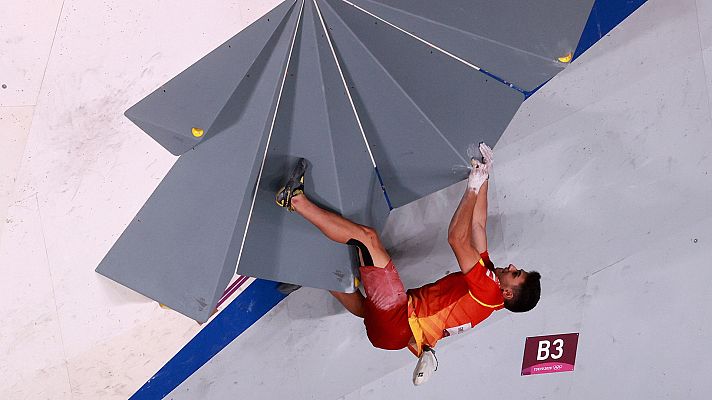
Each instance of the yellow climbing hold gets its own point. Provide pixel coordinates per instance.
(567, 58)
(197, 132)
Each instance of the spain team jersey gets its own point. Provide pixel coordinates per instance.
(452, 305)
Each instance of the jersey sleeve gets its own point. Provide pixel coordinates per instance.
(483, 286)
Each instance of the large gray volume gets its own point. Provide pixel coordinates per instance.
(182, 247)
(420, 108)
(315, 121)
(414, 107)
(518, 41)
(197, 96)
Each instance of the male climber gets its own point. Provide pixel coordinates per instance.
(418, 318)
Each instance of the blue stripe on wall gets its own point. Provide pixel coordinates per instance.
(257, 299)
(605, 15)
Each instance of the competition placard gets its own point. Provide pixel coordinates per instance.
(549, 354)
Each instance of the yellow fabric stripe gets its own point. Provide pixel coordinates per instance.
(416, 329)
(481, 262)
(417, 335)
(484, 304)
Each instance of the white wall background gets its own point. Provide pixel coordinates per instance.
(602, 183)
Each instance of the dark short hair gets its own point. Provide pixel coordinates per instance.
(526, 295)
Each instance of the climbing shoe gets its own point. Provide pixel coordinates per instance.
(293, 187)
(427, 365)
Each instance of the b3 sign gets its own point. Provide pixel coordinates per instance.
(547, 354)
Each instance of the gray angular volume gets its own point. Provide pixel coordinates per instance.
(420, 107)
(196, 96)
(182, 247)
(518, 41)
(374, 109)
(315, 121)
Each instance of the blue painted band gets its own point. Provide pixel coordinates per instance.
(498, 79)
(257, 299)
(380, 180)
(605, 15)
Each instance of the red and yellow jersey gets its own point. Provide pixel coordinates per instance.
(452, 305)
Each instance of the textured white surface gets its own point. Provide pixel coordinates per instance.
(603, 183)
(68, 333)
(30, 335)
(14, 127)
(26, 33)
(647, 330)
(704, 13)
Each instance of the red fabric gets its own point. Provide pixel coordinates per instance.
(386, 316)
(452, 304)
(486, 259)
